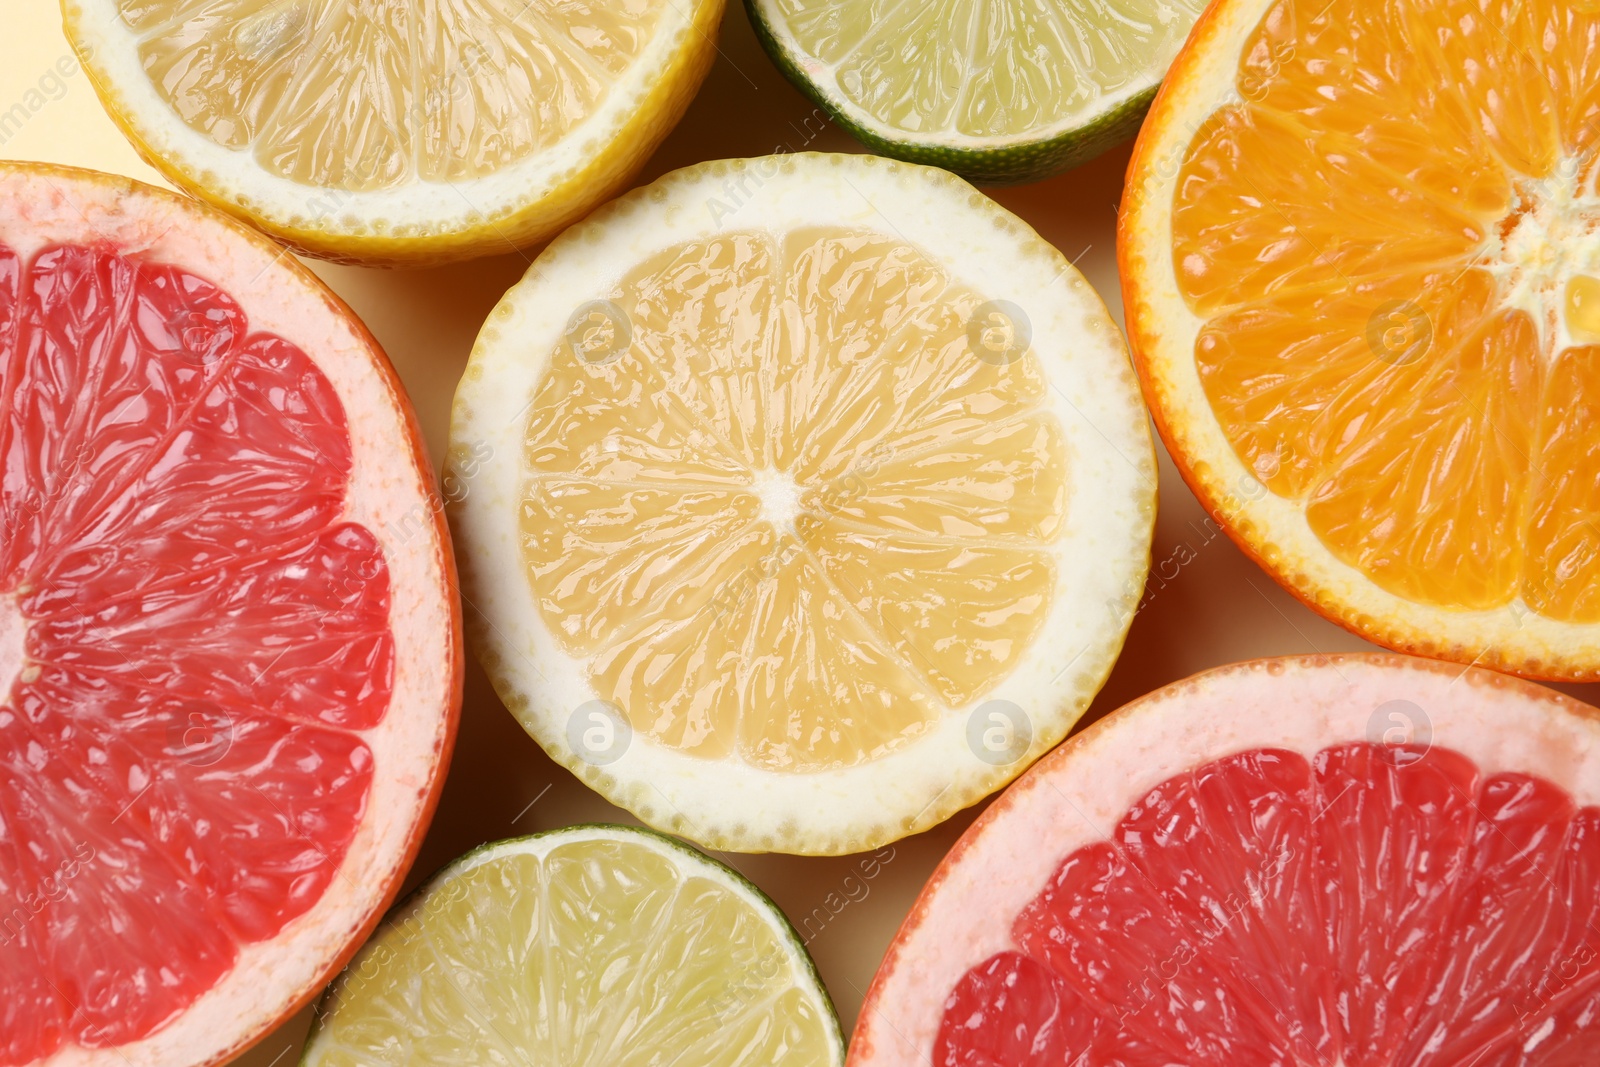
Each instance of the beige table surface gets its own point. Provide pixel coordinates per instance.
(1208, 605)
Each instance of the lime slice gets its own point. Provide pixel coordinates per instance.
(995, 90)
(586, 946)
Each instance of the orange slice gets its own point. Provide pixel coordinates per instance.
(1361, 256)
(803, 498)
(228, 642)
(1347, 860)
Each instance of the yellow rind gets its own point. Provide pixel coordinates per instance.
(532, 223)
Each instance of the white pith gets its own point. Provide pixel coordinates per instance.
(691, 864)
(1202, 81)
(1554, 239)
(414, 209)
(1077, 795)
(13, 642)
(825, 77)
(779, 494)
(389, 494)
(1101, 556)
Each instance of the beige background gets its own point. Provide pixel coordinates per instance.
(1207, 604)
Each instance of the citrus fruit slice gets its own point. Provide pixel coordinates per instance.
(396, 133)
(995, 90)
(1362, 860)
(1362, 295)
(595, 946)
(228, 640)
(807, 500)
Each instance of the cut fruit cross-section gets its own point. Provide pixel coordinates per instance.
(397, 132)
(594, 946)
(1361, 255)
(228, 636)
(1368, 861)
(810, 500)
(995, 90)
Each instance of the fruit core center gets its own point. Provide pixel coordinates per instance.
(13, 645)
(1545, 252)
(780, 498)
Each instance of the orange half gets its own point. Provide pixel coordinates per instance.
(1361, 261)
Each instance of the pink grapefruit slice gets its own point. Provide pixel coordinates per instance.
(228, 638)
(1357, 861)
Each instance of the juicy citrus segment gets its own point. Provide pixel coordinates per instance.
(1009, 482)
(601, 552)
(925, 387)
(607, 418)
(683, 674)
(1492, 45)
(364, 96)
(560, 55)
(251, 789)
(167, 642)
(1563, 540)
(1390, 261)
(590, 946)
(1417, 955)
(1371, 110)
(833, 694)
(1445, 533)
(202, 633)
(829, 373)
(846, 298)
(774, 669)
(957, 614)
(704, 315)
(1309, 219)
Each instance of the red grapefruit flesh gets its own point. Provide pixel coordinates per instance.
(1363, 860)
(228, 642)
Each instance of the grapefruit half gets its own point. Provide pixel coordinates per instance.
(1354, 860)
(228, 637)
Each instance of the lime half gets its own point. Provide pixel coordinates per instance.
(995, 90)
(595, 945)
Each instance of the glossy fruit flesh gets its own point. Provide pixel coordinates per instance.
(1366, 906)
(973, 69)
(599, 952)
(838, 531)
(369, 95)
(191, 635)
(1392, 236)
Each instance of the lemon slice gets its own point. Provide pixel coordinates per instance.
(384, 132)
(995, 90)
(594, 946)
(803, 500)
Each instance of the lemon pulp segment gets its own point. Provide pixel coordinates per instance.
(369, 94)
(786, 502)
